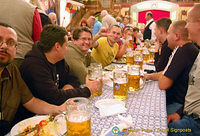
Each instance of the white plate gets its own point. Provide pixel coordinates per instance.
(19, 127)
(108, 102)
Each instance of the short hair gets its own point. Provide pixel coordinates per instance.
(135, 29)
(50, 35)
(104, 12)
(195, 12)
(119, 19)
(6, 25)
(92, 17)
(128, 28)
(179, 27)
(51, 14)
(149, 14)
(164, 23)
(116, 25)
(77, 32)
(128, 17)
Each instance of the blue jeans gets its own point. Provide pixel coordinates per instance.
(172, 108)
(186, 126)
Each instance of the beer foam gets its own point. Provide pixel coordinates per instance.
(78, 117)
(124, 81)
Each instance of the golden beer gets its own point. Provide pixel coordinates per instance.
(152, 55)
(145, 58)
(129, 60)
(78, 124)
(120, 90)
(139, 62)
(97, 93)
(133, 82)
(130, 45)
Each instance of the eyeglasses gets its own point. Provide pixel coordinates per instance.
(9, 43)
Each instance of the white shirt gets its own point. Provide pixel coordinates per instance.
(152, 28)
(108, 20)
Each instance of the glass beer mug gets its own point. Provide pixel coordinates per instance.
(120, 84)
(138, 59)
(145, 55)
(133, 78)
(130, 45)
(129, 57)
(95, 73)
(78, 118)
(152, 52)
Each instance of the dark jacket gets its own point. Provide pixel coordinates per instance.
(162, 59)
(45, 80)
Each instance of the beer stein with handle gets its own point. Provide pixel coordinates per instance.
(95, 73)
(77, 116)
(120, 84)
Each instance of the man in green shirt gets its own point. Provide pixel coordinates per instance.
(77, 57)
(12, 87)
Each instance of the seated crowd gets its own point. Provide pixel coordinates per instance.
(55, 69)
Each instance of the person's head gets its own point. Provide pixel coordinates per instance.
(119, 19)
(193, 23)
(128, 32)
(82, 38)
(126, 20)
(114, 33)
(177, 34)
(148, 16)
(84, 22)
(161, 29)
(135, 31)
(91, 20)
(104, 13)
(54, 37)
(8, 43)
(52, 17)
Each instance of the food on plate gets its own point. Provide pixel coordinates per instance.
(120, 60)
(45, 127)
(110, 67)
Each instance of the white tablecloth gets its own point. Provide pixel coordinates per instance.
(147, 108)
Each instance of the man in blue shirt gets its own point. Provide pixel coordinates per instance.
(95, 23)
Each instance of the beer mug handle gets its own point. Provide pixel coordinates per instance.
(144, 81)
(58, 120)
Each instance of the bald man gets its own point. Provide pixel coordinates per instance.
(107, 20)
(174, 78)
(52, 17)
(188, 118)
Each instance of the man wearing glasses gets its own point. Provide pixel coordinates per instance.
(12, 87)
(77, 57)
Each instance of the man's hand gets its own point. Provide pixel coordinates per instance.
(147, 76)
(158, 46)
(93, 85)
(67, 87)
(103, 32)
(173, 117)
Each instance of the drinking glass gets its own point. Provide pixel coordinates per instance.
(145, 55)
(78, 118)
(129, 57)
(95, 73)
(138, 59)
(133, 78)
(120, 84)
